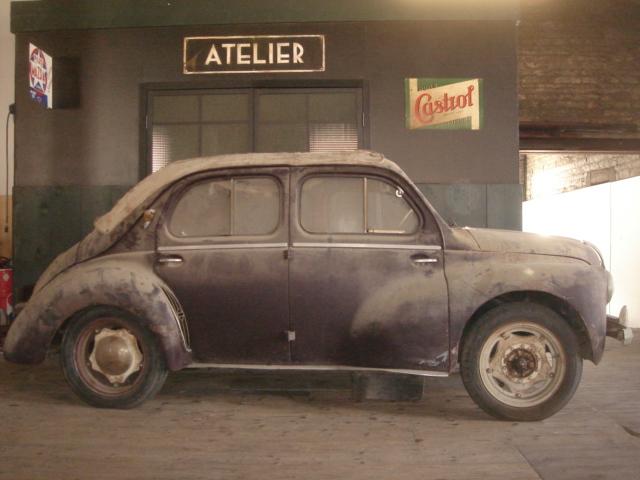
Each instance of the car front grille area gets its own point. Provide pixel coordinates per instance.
(180, 317)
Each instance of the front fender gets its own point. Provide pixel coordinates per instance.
(125, 281)
(475, 278)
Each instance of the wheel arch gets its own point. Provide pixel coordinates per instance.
(116, 283)
(559, 305)
(56, 340)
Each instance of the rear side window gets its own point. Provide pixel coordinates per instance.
(355, 205)
(236, 206)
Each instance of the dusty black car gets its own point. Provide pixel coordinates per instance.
(314, 261)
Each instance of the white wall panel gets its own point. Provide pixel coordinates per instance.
(7, 54)
(625, 249)
(582, 214)
(606, 215)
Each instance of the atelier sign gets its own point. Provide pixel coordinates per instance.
(254, 54)
(444, 103)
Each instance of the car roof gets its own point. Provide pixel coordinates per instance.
(147, 189)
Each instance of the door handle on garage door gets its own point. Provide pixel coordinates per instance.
(170, 259)
(422, 259)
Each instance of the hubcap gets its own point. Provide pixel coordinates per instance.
(115, 354)
(522, 364)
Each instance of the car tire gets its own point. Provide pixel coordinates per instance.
(111, 360)
(521, 362)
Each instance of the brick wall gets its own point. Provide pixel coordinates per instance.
(579, 62)
(548, 173)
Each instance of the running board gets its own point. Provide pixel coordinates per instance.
(318, 368)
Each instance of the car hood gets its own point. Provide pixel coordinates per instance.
(509, 241)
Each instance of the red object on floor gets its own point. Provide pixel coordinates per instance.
(6, 295)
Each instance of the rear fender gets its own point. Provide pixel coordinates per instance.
(125, 281)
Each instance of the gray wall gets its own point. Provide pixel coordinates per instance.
(98, 144)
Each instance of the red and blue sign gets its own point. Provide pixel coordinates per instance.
(40, 76)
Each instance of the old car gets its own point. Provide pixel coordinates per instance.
(322, 261)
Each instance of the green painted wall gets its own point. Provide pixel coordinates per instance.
(477, 205)
(48, 220)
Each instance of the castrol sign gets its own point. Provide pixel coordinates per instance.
(438, 103)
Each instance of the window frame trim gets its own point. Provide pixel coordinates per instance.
(150, 91)
(419, 227)
(227, 85)
(177, 195)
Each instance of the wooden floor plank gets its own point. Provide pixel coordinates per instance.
(228, 426)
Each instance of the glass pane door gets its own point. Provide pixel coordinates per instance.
(192, 123)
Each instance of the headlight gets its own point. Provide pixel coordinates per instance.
(609, 286)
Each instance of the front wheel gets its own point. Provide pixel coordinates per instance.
(110, 360)
(521, 362)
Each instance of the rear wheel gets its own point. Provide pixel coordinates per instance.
(521, 362)
(110, 360)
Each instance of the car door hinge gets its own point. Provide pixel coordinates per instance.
(287, 254)
(291, 335)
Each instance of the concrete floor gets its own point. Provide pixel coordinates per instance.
(227, 426)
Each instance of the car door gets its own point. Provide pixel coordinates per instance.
(367, 285)
(221, 248)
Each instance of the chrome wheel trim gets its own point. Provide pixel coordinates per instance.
(95, 373)
(115, 354)
(522, 364)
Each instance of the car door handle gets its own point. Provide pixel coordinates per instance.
(170, 259)
(422, 259)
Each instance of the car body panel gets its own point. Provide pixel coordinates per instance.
(233, 289)
(365, 306)
(477, 277)
(236, 301)
(493, 240)
(369, 307)
(360, 299)
(124, 281)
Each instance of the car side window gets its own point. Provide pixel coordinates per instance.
(332, 204)
(222, 207)
(387, 209)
